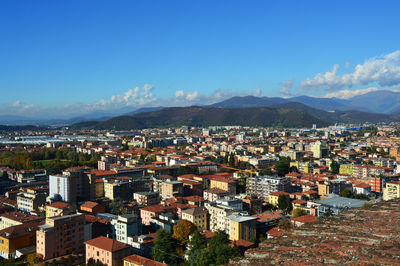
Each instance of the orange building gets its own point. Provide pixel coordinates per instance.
(92, 207)
(106, 250)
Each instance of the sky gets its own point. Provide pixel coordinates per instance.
(67, 57)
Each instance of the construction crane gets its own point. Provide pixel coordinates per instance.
(245, 171)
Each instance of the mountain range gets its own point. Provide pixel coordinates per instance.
(376, 106)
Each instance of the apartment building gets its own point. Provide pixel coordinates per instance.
(17, 237)
(171, 189)
(125, 226)
(9, 219)
(108, 251)
(198, 216)
(217, 216)
(392, 190)
(262, 186)
(224, 183)
(118, 188)
(57, 209)
(242, 226)
(60, 235)
(30, 199)
(147, 198)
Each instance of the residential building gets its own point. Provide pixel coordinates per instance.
(16, 218)
(213, 194)
(57, 209)
(377, 184)
(17, 237)
(263, 186)
(60, 235)
(242, 226)
(231, 202)
(106, 250)
(217, 216)
(30, 199)
(118, 188)
(196, 215)
(124, 226)
(224, 183)
(274, 197)
(136, 260)
(171, 189)
(91, 207)
(319, 149)
(147, 198)
(26, 176)
(392, 190)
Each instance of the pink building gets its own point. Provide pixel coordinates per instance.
(149, 212)
(106, 250)
(60, 235)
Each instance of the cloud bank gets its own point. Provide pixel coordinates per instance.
(382, 70)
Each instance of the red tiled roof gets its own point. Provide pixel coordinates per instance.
(89, 204)
(58, 205)
(262, 217)
(278, 193)
(107, 244)
(242, 243)
(305, 219)
(139, 260)
(275, 232)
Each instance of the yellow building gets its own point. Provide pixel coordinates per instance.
(9, 219)
(16, 237)
(303, 167)
(225, 184)
(274, 196)
(99, 188)
(242, 226)
(136, 260)
(319, 149)
(346, 169)
(57, 209)
(196, 215)
(392, 190)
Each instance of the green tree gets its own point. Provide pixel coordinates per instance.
(231, 160)
(164, 249)
(335, 167)
(298, 212)
(197, 243)
(284, 203)
(282, 166)
(265, 171)
(347, 193)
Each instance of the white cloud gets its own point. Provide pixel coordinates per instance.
(191, 96)
(138, 96)
(179, 94)
(287, 87)
(383, 70)
(346, 94)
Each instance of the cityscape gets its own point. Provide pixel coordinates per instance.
(199, 133)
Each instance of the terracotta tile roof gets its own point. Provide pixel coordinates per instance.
(194, 198)
(58, 205)
(21, 217)
(139, 260)
(263, 217)
(278, 193)
(305, 219)
(94, 219)
(89, 204)
(107, 244)
(275, 232)
(242, 243)
(207, 234)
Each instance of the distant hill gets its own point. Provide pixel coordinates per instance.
(340, 116)
(382, 101)
(206, 116)
(248, 101)
(145, 110)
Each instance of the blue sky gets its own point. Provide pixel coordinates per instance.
(107, 54)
